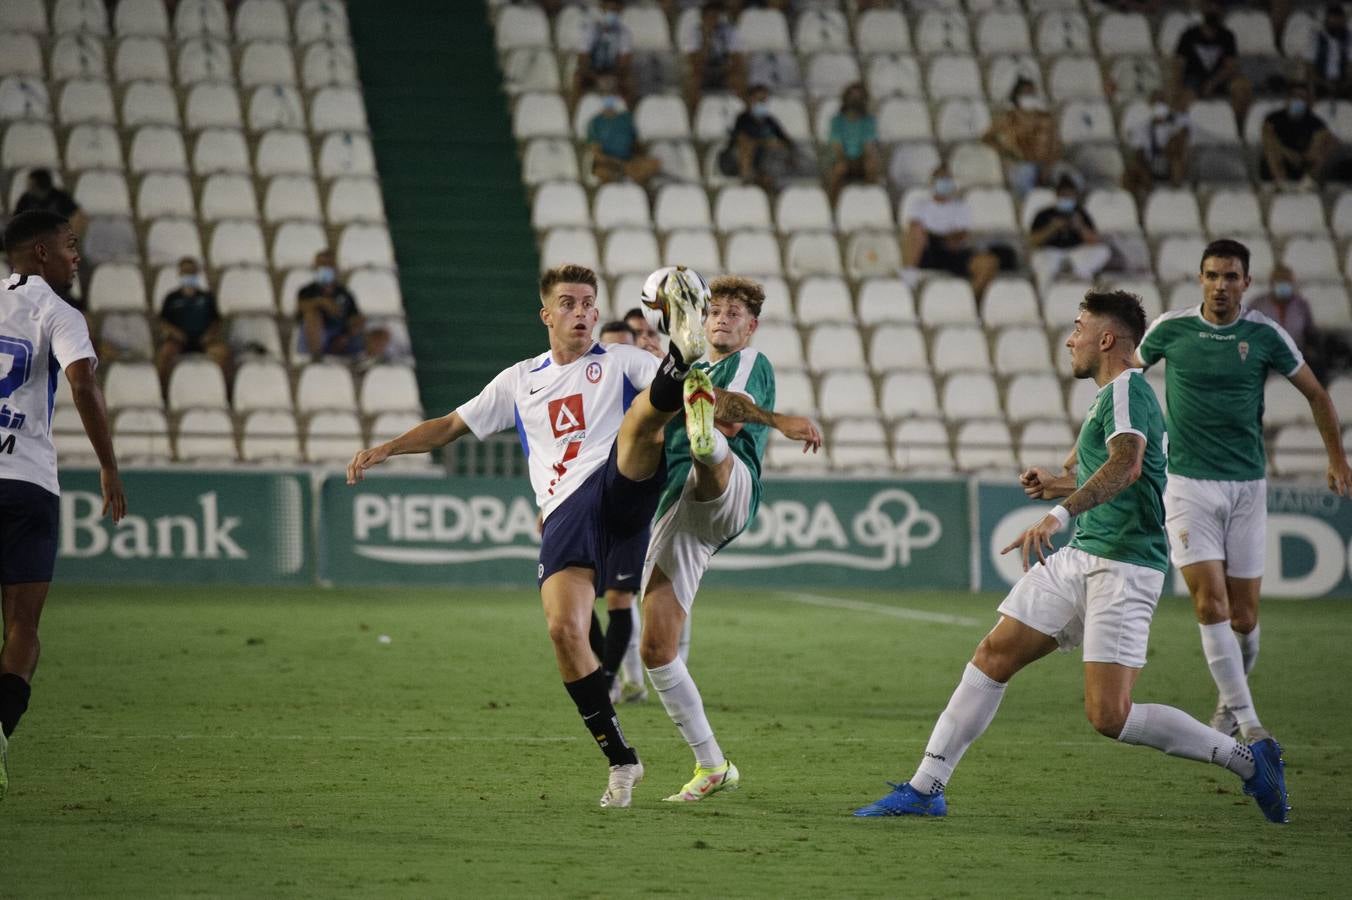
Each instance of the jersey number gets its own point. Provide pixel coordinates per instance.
(16, 364)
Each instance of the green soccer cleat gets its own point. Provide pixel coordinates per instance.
(708, 782)
(699, 413)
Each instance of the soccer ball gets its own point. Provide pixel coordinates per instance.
(662, 284)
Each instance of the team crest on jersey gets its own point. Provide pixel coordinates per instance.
(1243, 351)
(565, 415)
(593, 372)
(1183, 538)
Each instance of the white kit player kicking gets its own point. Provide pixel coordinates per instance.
(592, 420)
(1219, 357)
(40, 335)
(712, 491)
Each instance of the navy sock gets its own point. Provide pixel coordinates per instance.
(592, 696)
(596, 638)
(14, 694)
(618, 632)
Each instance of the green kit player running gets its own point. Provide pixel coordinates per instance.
(711, 494)
(1099, 592)
(1219, 356)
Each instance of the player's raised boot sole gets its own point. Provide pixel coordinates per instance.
(699, 413)
(685, 316)
(708, 782)
(905, 801)
(1268, 784)
(620, 786)
(4, 765)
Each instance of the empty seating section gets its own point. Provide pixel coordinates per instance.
(921, 375)
(234, 133)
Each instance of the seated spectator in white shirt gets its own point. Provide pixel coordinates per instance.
(1160, 147)
(936, 236)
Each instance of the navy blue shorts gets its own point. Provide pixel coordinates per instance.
(29, 517)
(604, 526)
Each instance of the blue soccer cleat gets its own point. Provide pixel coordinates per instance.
(906, 801)
(1268, 784)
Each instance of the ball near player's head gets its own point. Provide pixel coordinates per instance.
(568, 306)
(41, 243)
(1110, 326)
(1224, 277)
(734, 312)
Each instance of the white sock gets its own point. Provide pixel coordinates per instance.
(682, 701)
(968, 714)
(683, 645)
(1179, 734)
(719, 453)
(1248, 648)
(632, 664)
(1227, 668)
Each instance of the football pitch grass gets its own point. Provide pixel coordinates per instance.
(263, 742)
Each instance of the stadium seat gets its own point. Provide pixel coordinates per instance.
(763, 29)
(976, 165)
(266, 63)
(1087, 121)
(970, 395)
(244, 290)
(1044, 442)
(78, 56)
(199, 17)
(321, 20)
(1313, 257)
(693, 247)
(91, 146)
(781, 344)
(206, 435)
(337, 108)
(1079, 398)
(846, 393)
(236, 243)
(1171, 211)
(261, 384)
(539, 115)
(834, 347)
(263, 20)
(24, 97)
(897, 347)
(1212, 123)
(921, 446)
(141, 18)
(1075, 78)
(1253, 32)
(1178, 257)
(103, 193)
(365, 245)
(204, 60)
(681, 206)
(1232, 211)
(942, 32)
(962, 119)
(893, 75)
(803, 208)
(828, 74)
(881, 30)
(1299, 450)
(903, 119)
(792, 115)
(872, 254)
(1035, 395)
(1295, 214)
(753, 253)
(946, 301)
(109, 239)
(228, 196)
(288, 153)
(1063, 32)
(1124, 33)
(742, 206)
(117, 286)
(864, 207)
(908, 394)
(992, 211)
(1002, 31)
(620, 204)
(127, 334)
(131, 384)
(149, 103)
(296, 243)
(1010, 301)
(546, 159)
(255, 336)
(859, 444)
(822, 298)
(378, 291)
(1022, 349)
(960, 348)
(325, 386)
(212, 105)
(23, 16)
(630, 250)
(818, 29)
(1003, 71)
(142, 436)
(985, 446)
(953, 76)
(1283, 404)
(270, 436)
(662, 117)
(20, 54)
(793, 390)
(197, 382)
(32, 144)
(574, 245)
(86, 100)
(333, 63)
(812, 253)
(1328, 301)
(885, 299)
(560, 203)
(276, 106)
(221, 150)
(389, 387)
(295, 197)
(169, 240)
(332, 437)
(1136, 77)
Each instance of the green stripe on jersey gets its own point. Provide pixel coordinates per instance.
(1214, 388)
(749, 372)
(1130, 527)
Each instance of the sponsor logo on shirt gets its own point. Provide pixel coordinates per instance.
(1212, 336)
(565, 415)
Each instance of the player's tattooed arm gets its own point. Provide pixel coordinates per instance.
(737, 409)
(1126, 451)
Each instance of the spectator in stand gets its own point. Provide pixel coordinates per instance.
(191, 323)
(645, 336)
(616, 332)
(1064, 233)
(1296, 143)
(1285, 305)
(331, 324)
(1328, 59)
(613, 139)
(1160, 146)
(761, 148)
(1206, 62)
(936, 236)
(1026, 138)
(713, 50)
(42, 193)
(609, 52)
(854, 142)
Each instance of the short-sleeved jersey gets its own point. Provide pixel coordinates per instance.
(40, 335)
(1130, 527)
(567, 417)
(748, 371)
(1214, 387)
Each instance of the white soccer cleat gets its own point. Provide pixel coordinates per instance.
(708, 782)
(1224, 721)
(620, 787)
(686, 299)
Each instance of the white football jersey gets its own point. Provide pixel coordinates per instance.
(40, 334)
(566, 416)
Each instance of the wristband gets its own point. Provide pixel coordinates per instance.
(1061, 515)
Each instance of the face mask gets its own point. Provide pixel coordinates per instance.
(1297, 108)
(611, 18)
(1032, 103)
(945, 187)
(610, 102)
(192, 282)
(1160, 110)
(1283, 289)
(325, 275)
(760, 110)
(1065, 204)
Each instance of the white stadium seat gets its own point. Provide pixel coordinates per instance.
(245, 290)
(117, 286)
(1034, 395)
(295, 244)
(897, 347)
(942, 32)
(960, 348)
(197, 382)
(261, 384)
(824, 298)
(93, 146)
(262, 20)
(20, 54)
(267, 62)
(294, 197)
(270, 436)
(859, 444)
(885, 299)
(78, 56)
(228, 196)
(221, 150)
(970, 395)
(288, 153)
(337, 108)
(169, 240)
(321, 20)
(681, 206)
(198, 17)
(985, 446)
(206, 435)
(881, 31)
(204, 59)
(908, 394)
(236, 243)
(142, 436)
(834, 347)
(693, 247)
(922, 446)
(846, 394)
(31, 144)
(131, 384)
(325, 385)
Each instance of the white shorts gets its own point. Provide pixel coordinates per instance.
(1078, 598)
(1225, 520)
(688, 534)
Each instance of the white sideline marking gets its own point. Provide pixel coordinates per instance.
(896, 612)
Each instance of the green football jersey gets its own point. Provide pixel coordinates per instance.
(1130, 527)
(1214, 388)
(749, 372)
